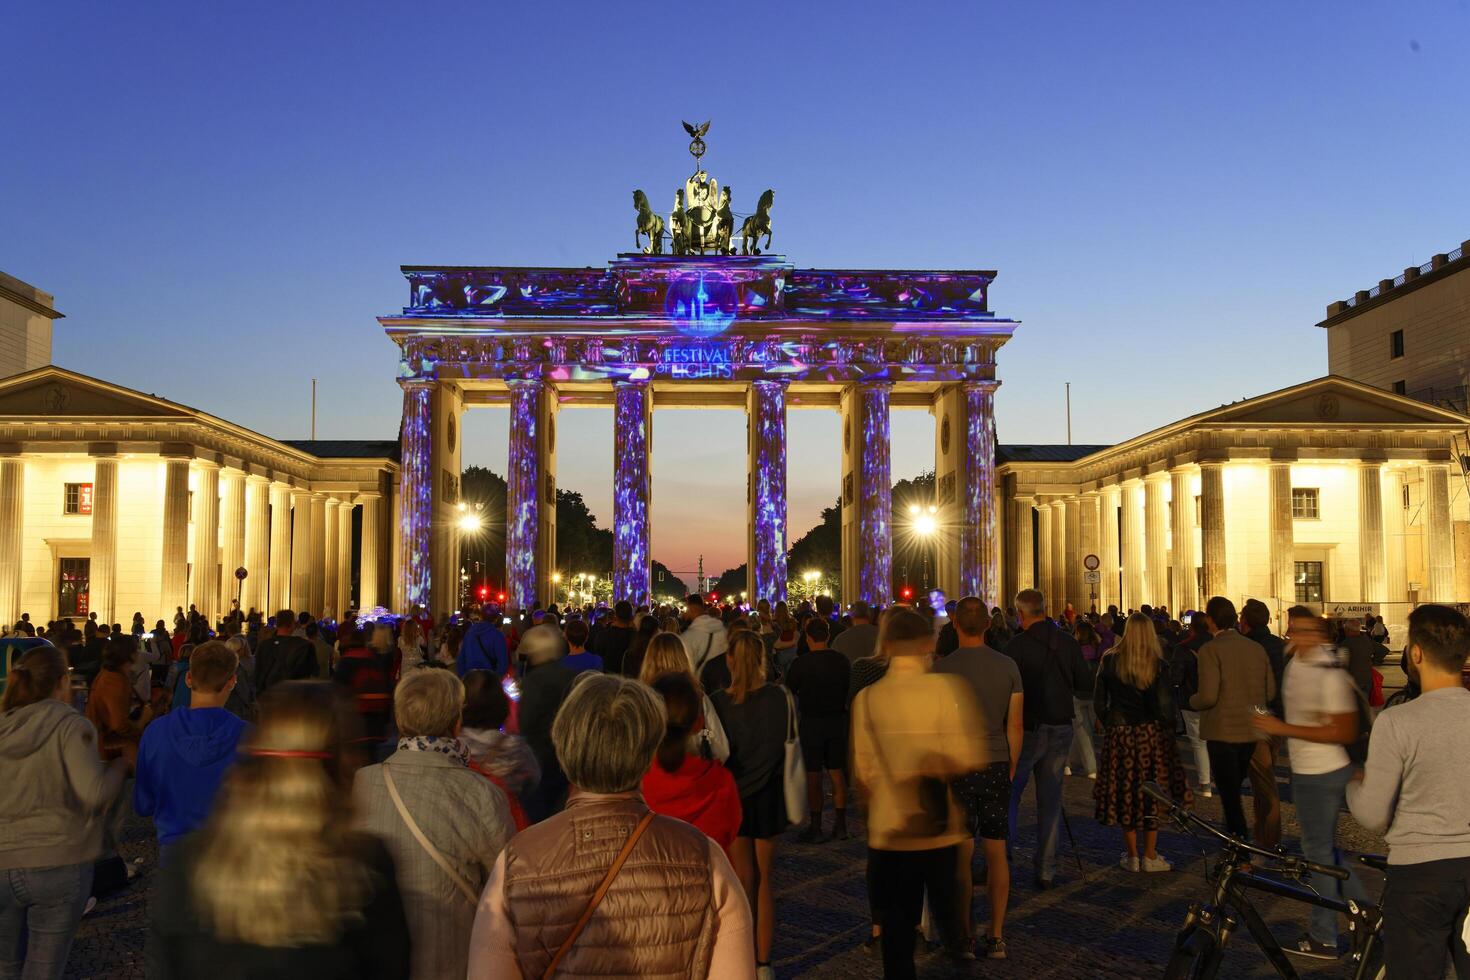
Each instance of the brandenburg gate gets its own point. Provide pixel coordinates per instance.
(702, 327)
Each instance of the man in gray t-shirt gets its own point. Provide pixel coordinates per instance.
(996, 681)
(861, 638)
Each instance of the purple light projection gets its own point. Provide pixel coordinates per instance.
(875, 495)
(977, 537)
(522, 493)
(767, 418)
(417, 507)
(632, 404)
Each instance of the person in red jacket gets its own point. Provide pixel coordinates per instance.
(693, 789)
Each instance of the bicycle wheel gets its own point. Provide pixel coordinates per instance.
(1192, 954)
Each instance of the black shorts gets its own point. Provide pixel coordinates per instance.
(823, 743)
(986, 797)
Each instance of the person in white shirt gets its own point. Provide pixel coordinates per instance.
(1321, 709)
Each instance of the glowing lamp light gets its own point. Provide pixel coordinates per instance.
(555, 577)
(484, 592)
(502, 597)
(906, 592)
(924, 525)
(470, 522)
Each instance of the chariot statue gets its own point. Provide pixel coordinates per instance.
(702, 214)
(650, 223)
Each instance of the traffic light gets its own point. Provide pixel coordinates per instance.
(714, 597)
(484, 592)
(906, 593)
(502, 597)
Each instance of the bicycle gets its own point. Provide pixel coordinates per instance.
(1199, 946)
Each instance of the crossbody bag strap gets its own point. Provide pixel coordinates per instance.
(597, 896)
(424, 842)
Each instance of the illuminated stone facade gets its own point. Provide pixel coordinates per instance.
(654, 331)
(116, 502)
(1332, 493)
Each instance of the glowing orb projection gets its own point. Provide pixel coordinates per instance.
(701, 304)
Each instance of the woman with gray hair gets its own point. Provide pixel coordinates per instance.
(647, 895)
(444, 824)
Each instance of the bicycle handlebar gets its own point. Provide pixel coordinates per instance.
(1154, 791)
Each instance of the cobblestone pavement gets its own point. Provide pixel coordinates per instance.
(1102, 922)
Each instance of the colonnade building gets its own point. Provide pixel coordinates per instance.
(1331, 493)
(113, 501)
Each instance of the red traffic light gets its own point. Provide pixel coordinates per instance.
(484, 592)
(714, 597)
(906, 592)
(502, 597)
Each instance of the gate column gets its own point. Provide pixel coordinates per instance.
(632, 485)
(765, 418)
(964, 473)
(867, 494)
(530, 502)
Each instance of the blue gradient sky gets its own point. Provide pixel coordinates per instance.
(220, 194)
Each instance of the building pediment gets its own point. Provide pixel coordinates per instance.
(1331, 401)
(56, 393)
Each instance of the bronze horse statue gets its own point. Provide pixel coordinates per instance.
(650, 223)
(757, 225)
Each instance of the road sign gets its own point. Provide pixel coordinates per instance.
(1092, 578)
(1091, 563)
(240, 573)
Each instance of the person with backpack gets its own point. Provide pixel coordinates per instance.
(1321, 720)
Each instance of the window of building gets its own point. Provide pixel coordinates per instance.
(1396, 344)
(73, 586)
(77, 498)
(1306, 503)
(1400, 387)
(1308, 581)
(1406, 496)
(1196, 510)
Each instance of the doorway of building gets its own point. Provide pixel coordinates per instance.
(73, 586)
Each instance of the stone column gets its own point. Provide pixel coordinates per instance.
(1134, 546)
(204, 583)
(1281, 535)
(12, 527)
(964, 469)
(301, 551)
(1107, 519)
(1212, 526)
(280, 555)
(316, 557)
(256, 594)
(1394, 542)
(1022, 534)
(417, 504)
(103, 569)
(1182, 568)
(1072, 559)
(1087, 545)
(1372, 566)
(330, 568)
(370, 575)
(344, 558)
(232, 536)
(765, 420)
(1439, 543)
(867, 494)
(174, 580)
(530, 501)
(632, 490)
(1044, 522)
(1156, 538)
(1059, 546)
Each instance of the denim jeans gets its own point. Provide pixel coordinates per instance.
(40, 909)
(1044, 752)
(1083, 757)
(1197, 744)
(1319, 799)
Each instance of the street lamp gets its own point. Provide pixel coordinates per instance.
(923, 522)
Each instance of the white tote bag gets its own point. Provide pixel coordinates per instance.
(794, 773)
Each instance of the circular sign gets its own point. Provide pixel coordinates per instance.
(240, 573)
(1090, 563)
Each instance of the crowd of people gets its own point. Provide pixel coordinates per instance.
(603, 791)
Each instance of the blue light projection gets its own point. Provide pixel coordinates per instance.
(701, 305)
(522, 494)
(978, 563)
(767, 415)
(417, 511)
(875, 496)
(632, 573)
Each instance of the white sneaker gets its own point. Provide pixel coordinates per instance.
(1155, 863)
(91, 904)
(1092, 775)
(1127, 862)
(1066, 770)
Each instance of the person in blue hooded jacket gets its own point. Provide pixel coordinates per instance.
(184, 755)
(483, 646)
